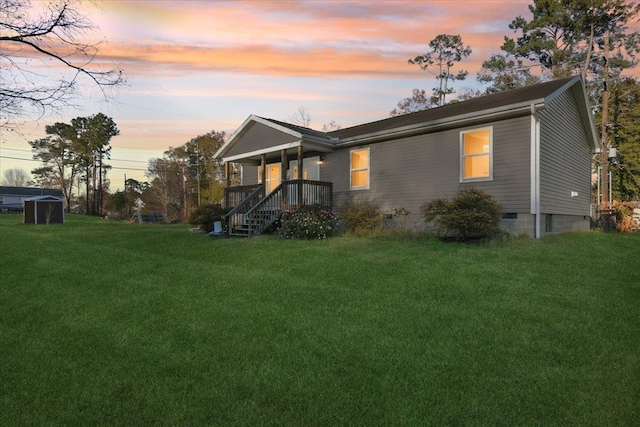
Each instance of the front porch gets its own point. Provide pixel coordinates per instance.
(281, 165)
(253, 209)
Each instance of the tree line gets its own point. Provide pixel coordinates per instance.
(75, 154)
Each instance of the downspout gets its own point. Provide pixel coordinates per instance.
(535, 171)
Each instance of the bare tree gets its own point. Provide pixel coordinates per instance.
(418, 101)
(301, 117)
(16, 177)
(52, 33)
(331, 126)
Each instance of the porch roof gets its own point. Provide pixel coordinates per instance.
(259, 135)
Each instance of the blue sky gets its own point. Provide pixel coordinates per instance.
(197, 66)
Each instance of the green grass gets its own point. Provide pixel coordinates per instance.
(106, 323)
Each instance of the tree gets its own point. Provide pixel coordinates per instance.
(331, 126)
(91, 138)
(205, 174)
(565, 36)
(71, 149)
(445, 51)
(188, 175)
(503, 72)
(50, 33)
(625, 125)
(60, 160)
(301, 117)
(16, 177)
(168, 185)
(417, 102)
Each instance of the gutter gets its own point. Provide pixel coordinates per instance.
(535, 168)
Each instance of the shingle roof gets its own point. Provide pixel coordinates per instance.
(501, 104)
(300, 129)
(501, 99)
(29, 191)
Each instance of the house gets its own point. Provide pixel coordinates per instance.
(12, 198)
(44, 210)
(531, 148)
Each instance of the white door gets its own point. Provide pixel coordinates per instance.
(273, 177)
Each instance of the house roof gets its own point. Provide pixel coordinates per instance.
(501, 105)
(503, 99)
(29, 191)
(299, 129)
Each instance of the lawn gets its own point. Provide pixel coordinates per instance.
(107, 323)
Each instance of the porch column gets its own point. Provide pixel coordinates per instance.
(283, 177)
(263, 174)
(283, 165)
(227, 182)
(300, 175)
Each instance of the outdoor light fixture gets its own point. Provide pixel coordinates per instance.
(321, 160)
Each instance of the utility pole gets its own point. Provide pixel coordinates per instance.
(184, 193)
(198, 170)
(604, 170)
(125, 196)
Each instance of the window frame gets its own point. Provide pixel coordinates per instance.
(352, 169)
(464, 156)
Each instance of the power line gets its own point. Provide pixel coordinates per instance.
(39, 161)
(18, 158)
(112, 159)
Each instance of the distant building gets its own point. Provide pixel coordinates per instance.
(12, 198)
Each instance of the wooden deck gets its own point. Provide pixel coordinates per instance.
(253, 211)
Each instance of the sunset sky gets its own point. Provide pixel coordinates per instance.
(197, 66)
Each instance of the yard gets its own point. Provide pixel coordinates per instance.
(106, 323)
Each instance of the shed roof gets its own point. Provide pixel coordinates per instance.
(45, 198)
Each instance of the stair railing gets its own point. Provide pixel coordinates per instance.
(267, 210)
(236, 217)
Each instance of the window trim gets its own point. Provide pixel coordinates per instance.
(463, 156)
(368, 168)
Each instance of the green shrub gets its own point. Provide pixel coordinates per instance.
(205, 215)
(362, 218)
(309, 223)
(472, 214)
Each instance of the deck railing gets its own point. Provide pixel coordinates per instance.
(236, 217)
(258, 211)
(233, 196)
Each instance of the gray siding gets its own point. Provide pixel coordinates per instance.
(249, 174)
(412, 171)
(259, 137)
(565, 159)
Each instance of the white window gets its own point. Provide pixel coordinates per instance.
(476, 159)
(360, 169)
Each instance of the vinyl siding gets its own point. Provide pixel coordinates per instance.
(249, 174)
(259, 137)
(565, 159)
(412, 171)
